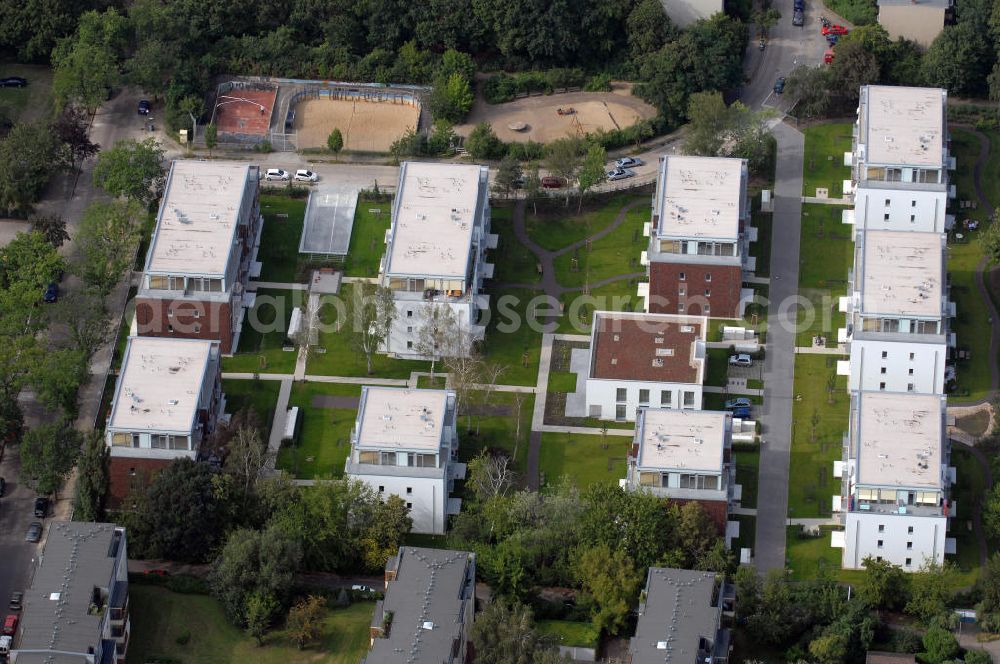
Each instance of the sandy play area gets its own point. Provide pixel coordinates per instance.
(366, 126)
(594, 110)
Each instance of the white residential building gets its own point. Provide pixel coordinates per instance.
(684, 455)
(900, 160)
(404, 443)
(894, 499)
(639, 360)
(896, 366)
(685, 12)
(436, 250)
(167, 400)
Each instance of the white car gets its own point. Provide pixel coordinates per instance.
(628, 162)
(276, 174)
(303, 175)
(619, 174)
(741, 360)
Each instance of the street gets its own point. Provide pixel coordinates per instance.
(16, 555)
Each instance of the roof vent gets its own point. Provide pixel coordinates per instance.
(661, 645)
(55, 596)
(428, 624)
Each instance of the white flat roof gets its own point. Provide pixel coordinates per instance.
(160, 384)
(700, 197)
(898, 441)
(433, 219)
(903, 273)
(398, 418)
(198, 217)
(682, 439)
(904, 126)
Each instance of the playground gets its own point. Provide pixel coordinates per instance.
(367, 126)
(244, 112)
(539, 119)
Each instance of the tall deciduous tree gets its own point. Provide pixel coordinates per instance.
(335, 141)
(52, 227)
(87, 65)
(563, 158)
(48, 452)
(29, 155)
(451, 97)
(92, 479)
(57, 377)
(390, 522)
(82, 315)
(610, 577)
(505, 633)
(107, 239)
(72, 128)
(211, 137)
(131, 169)
(372, 312)
(591, 171)
(483, 143)
(437, 333)
(884, 585)
(305, 619)
(508, 175)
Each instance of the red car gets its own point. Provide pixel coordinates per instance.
(552, 182)
(834, 30)
(10, 625)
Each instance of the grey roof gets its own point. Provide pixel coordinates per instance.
(429, 588)
(942, 4)
(77, 558)
(676, 615)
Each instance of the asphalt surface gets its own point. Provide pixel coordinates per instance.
(16, 555)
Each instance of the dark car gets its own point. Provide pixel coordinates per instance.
(51, 293)
(41, 507)
(3, 485)
(16, 601)
(779, 85)
(798, 18)
(799, 5)
(144, 107)
(13, 82)
(738, 402)
(742, 413)
(552, 182)
(34, 534)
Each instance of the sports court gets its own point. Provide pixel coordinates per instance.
(329, 219)
(245, 111)
(367, 126)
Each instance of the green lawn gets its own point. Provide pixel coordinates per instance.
(160, 618)
(583, 458)
(279, 239)
(748, 534)
(747, 462)
(510, 339)
(324, 440)
(30, 103)
(807, 555)
(436, 383)
(858, 12)
(513, 262)
(562, 381)
(761, 249)
(826, 254)
(717, 367)
(969, 489)
(558, 227)
(498, 431)
(262, 338)
(566, 633)
(261, 396)
(818, 427)
(368, 238)
(340, 358)
(578, 309)
(615, 254)
(823, 158)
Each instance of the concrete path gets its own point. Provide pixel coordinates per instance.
(811, 350)
(744, 511)
(277, 426)
(538, 414)
(763, 281)
(715, 389)
(813, 523)
(779, 363)
(274, 285)
(828, 201)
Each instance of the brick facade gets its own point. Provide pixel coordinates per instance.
(129, 473)
(186, 319)
(708, 290)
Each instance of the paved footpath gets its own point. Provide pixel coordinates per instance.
(779, 364)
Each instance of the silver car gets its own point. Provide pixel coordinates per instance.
(276, 174)
(619, 174)
(34, 533)
(628, 162)
(304, 175)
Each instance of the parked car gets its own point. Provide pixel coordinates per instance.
(828, 56)
(739, 402)
(358, 588)
(51, 293)
(5, 642)
(276, 174)
(832, 40)
(740, 360)
(303, 175)
(742, 413)
(833, 30)
(16, 601)
(13, 82)
(34, 533)
(629, 162)
(10, 624)
(799, 5)
(144, 107)
(779, 85)
(41, 507)
(619, 174)
(3, 486)
(552, 182)
(798, 18)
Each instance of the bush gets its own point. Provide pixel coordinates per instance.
(599, 83)
(264, 146)
(530, 151)
(482, 143)
(501, 88)
(186, 584)
(183, 639)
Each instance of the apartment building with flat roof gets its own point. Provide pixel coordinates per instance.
(404, 443)
(916, 366)
(699, 238)
(917, 20)
(436, 253)
(202, 254)
(168, 398)
(639, 360)
(427, 612)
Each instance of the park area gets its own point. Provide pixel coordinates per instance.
(542, 122)
(367, 126)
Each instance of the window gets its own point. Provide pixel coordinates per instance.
(911, 357)
(911, 372)
(680, 308)
(409, 506)
(881, 527)
(681, 291)
(708, 292)
(197, 328)
(913, 204)
(883, 370)
(885, 354)
(909, 545)
(409, 491)
(909, 561)
(878, 558)
(909, 387)
(913, 218)
(707, 309)
(888, 202)
(909, 530)
(409, 329)
(409, 313)
(643, 396)
(620, 411)
(381, 489)
(689, 399)
(621, 394)
(409, 345)
(170, 313)
(197, 313)
(170, 328)
(131, 472)
(885, 217)
(666, 397)
(708, 276)
(880, 544)
(881, 386)
(681, 276)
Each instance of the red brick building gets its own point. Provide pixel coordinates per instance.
(203, 254)
(699, 238)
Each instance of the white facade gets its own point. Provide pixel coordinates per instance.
(904, 540)
(900, 208)
(897, 366)
(403, 444)
(622, 399)
(436, 251)
(686, 12)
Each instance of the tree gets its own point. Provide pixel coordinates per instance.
(335, 141)
(81, 313)
(940, 646)
(52, 227)
(884, 585)
(483, 144)
(532, 185)
(92, 478)
(390, 523)
(811, 87)
(977, 657)
(748, 591)
(451, 98)
(31, 261)
(773, 621)
(131, 169)
(989, 585)
(48, 452)
(107, 239)
(765, 19)
(696, 532)
(246, 456)
(490, 475)
(442, 138)
(638, 522)
(72, 128)
(508, 174)
(959, 59)
(563, 159)
(29, 156)
(260, 609)
(437, 333)
(57, 376)
(372, 312)
(151, 65)
(989, 238)
(87, 65)
(504, 633)
(930, 591)
(591, 171)
(305, 619)
(710, 121)
(610, 577)
(648, 28)
(853, 67)
(211, 137)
